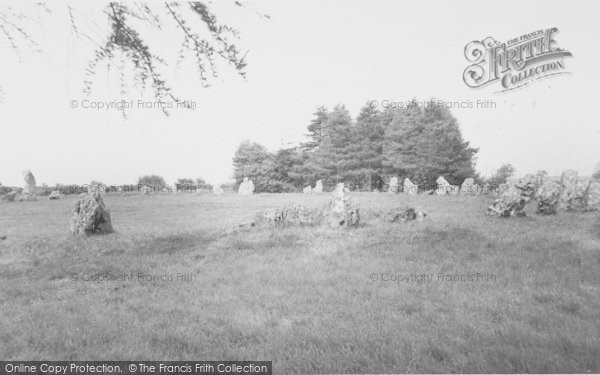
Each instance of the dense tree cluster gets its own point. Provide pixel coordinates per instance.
(420, 142)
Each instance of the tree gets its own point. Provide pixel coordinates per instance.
(370, 131)
(424, 142)
(330, 161)
(185, 181)
(126, 43)
(503, 173)
(288, 167)
(300, 173)
(201, 184)
(252, 160)
(153, 181)
(316, 128)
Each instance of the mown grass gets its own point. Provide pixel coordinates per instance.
(303, 297)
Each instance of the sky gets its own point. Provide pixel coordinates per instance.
(306, 54)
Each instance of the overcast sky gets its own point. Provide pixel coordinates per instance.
(309, 53)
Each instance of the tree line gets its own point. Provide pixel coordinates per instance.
(420, 141)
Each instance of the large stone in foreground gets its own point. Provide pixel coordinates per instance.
(90, 216)
(592, 196)
(341, 210)
(548, 197)
(572, 191)
(513, 201)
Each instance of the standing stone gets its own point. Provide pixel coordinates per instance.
(339, 190)
(341, 211)
(441, 181)
(29, 187)
(246, 187)
(409, 187)
(54, 195)
(318, 187)
(90, 216)
(468, 187)
(571, 196)
(217, 190)
(486, 188)
(592, 196)
(548, 197)
(393, 185)
(540, 179)
(146, 190)
(513, 201)
(307, 190)
(443, 186)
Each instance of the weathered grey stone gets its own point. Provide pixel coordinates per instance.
(90, 216)
(592, 196)
(410, 187)
(540, 179)
(548, 197)
(339, 190)
(318, 187)
(146, 190)
(291, 215)
(341, 211)
(441, 181)
(393, 185)
(30, 186)
(572, 191)
(469, 187)
(404, 214)
(513, 201)
(444, 187)
(54, 195)
(307, 190)
(246, 187)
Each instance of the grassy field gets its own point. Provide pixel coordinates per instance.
(311, 300)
